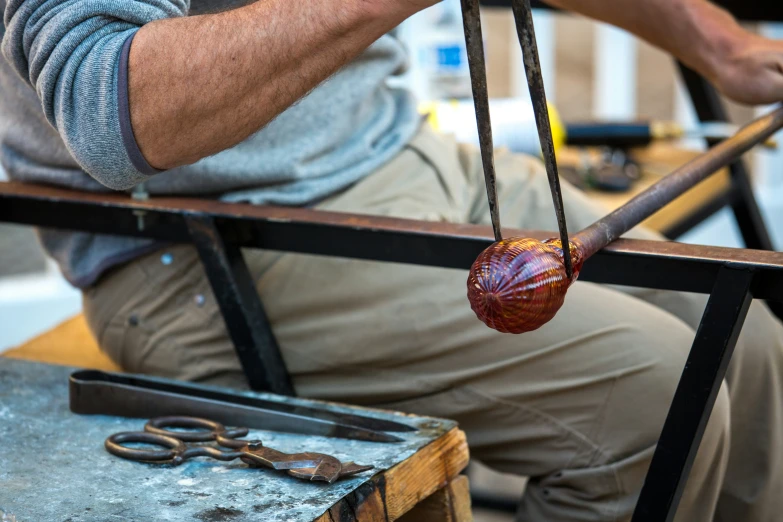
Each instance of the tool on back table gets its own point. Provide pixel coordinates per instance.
(624, 135)
(103, 393)
(307, 466)
(475, 50)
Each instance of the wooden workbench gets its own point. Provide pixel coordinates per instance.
(53, 467)
(657, 161)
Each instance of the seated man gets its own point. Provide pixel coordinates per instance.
(201, 100)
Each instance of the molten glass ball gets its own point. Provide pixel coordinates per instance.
(517, 285)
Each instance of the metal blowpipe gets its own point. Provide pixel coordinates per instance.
(519, 284)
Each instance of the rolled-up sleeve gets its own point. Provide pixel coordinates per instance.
(74, 54)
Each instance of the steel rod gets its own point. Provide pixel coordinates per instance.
(604, 231)
(526, 33)
(474, 43)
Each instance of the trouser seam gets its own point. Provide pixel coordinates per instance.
(121, 310)
(600, 417)
(615, 477)
(426, 387)
(432, 164)
(540, 414)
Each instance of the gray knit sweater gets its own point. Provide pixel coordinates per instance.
(64, 121)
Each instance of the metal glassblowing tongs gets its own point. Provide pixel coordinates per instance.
(471, 20)
(103, 393)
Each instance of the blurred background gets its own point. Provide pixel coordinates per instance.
(593, 73)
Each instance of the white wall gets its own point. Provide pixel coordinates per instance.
(33, 304)
(615, 70)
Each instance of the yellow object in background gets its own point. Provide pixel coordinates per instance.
(513, 123)
(558, 128)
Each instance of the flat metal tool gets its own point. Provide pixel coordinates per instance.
(474, 44)
(104, 393)
(523, 17)
(306, 465)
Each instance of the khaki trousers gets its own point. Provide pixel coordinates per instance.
(577, 405)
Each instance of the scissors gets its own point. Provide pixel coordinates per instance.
(307, 465)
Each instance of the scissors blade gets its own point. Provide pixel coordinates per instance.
(474, 44)
(523, 17)
(104, 393)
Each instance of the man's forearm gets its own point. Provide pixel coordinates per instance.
(695, 31)
(201, 84)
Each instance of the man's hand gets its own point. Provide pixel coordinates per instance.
(744, 66)
(752, 71)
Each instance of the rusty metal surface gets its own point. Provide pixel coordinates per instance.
(474, 43)
(650, 264)
(526, 33)
(615, 224)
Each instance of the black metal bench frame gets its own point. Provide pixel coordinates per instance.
(220, 230)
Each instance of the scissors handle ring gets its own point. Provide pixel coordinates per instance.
(173, 455)
(209, 430)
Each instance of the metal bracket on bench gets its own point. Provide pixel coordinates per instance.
(692, 405)
(244, 314)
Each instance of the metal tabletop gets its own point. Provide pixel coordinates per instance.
(53, 466)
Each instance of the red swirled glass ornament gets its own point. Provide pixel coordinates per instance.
(518, 284)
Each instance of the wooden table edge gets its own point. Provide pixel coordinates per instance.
(391, 493)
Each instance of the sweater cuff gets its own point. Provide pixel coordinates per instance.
(126, 130)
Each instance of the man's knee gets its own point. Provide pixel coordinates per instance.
(657, 387)
(656, 349)
(644, 403)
